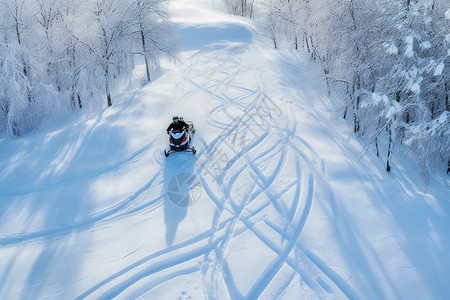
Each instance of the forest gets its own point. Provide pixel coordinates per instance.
(60, 56)
(385, 63)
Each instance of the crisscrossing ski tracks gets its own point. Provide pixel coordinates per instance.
(248, 210)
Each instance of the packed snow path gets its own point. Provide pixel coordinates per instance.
(275, 204)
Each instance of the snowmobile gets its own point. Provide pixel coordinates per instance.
(180, 140)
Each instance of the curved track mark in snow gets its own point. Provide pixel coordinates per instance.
(85, 176)
(271, 271)
(63, 230)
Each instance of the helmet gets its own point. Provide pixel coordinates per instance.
(175, 119)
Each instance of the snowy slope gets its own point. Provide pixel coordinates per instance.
(277, 202)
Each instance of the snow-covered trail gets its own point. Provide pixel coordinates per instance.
(274, 204)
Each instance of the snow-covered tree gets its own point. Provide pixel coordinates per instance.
(111, 23)
(56, 56)
(14, 89)
(152, 28)
(243, 8)
(272, 22)
(386, 61)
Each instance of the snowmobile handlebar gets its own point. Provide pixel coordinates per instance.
(185, 128)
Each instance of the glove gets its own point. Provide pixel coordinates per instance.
(168, 131)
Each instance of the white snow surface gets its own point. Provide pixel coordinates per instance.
(277, 202)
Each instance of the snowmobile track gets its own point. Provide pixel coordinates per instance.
(235, 215)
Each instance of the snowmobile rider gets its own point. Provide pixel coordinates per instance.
(177, 124)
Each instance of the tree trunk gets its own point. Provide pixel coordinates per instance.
(250, 10)
(388, 166)
(376, 140)
(376, 146)
(356, 87)
(447, 104)
(432, 111)
(313, 54)
(327, 80)
(72, 101)
(108, 92)
(108, 98)
(144, 51)
(80, 105)
(19, 41)
(307, 43)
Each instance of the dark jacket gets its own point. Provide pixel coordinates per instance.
(177, 126)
